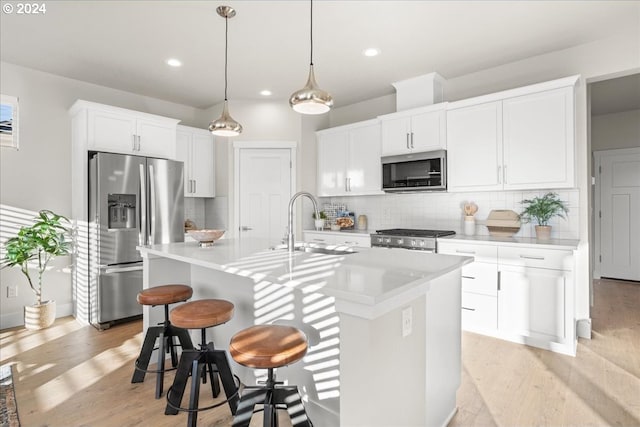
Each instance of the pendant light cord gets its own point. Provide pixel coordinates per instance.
(226, 41)
(311, 33)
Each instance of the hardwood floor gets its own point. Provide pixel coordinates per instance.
(73, 375)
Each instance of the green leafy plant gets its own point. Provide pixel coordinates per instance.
(322, 215)
(542, 209)
(46, 239)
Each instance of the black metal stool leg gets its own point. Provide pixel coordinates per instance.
(196, 373)
(160, 374)
(176, 392)
(290, 396)
(250, 397)
(220, 359)
(142, 362)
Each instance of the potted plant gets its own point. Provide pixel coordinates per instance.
(541, 210)
(319, 222)
(38, 244)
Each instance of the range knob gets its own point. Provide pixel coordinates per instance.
(422, 243)
(413, 242)
(400, 241)
(387, 240)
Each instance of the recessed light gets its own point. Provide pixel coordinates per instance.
(372, 51)
(265, 92)
(174, 62)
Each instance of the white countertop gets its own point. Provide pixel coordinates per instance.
(566, 244)
(354, 232)
(378, 278)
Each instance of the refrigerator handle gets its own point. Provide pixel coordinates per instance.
(143, 208)
(152, 205)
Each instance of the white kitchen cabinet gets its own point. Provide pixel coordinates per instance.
(195, 147)
(474, 141)
(532, 305)
(349, 160)
(117, 130)
(338, 238)
(513, 140)
(416, 130)
(521, 293)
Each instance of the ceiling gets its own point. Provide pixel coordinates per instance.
(124, 44)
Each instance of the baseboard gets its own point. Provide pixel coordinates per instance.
(583, 328)
(11, 320)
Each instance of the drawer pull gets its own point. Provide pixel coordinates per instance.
(318, 240)
(468, 309)
(468, 277)
(539, 258)
(465, 252)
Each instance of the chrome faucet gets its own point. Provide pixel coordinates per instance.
(291, 241)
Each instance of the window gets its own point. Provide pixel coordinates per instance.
(8, 121)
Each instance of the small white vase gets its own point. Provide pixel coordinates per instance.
(319, 223)
(469, 225)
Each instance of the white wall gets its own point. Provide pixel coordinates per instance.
(612, 131)
(593, 61)
(38, 175)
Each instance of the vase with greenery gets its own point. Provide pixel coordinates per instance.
(541, 210)
(319, 222)
(36, 245)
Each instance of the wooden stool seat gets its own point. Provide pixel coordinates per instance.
(268, 346)
(202, 314)
(165, 294)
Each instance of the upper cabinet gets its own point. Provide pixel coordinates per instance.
(513, 140)
(117, 130)
(349, 160)
(196, 149)
(415, 130)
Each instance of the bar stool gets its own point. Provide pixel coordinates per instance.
(164, 333)
(269, 347)
(202, 314)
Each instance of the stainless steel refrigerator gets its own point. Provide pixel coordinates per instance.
(133, 201)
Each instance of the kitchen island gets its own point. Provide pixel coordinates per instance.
(384, 330)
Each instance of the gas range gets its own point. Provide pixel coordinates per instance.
(423, 240)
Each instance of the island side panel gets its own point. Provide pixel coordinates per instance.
(388, 379)
(443, 351)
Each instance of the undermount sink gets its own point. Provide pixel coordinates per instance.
(319, 249)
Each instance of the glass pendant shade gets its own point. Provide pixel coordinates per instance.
(225, 125)
(311, 99)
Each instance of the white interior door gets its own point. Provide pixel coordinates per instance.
(264, 192)
(619, 189)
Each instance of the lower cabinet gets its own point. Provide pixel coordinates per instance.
(532, 302)
(337, 238)
(518, 293)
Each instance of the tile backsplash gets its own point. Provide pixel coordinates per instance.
(444, 210)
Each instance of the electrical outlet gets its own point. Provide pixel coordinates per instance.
(407, 322)
(12, 291)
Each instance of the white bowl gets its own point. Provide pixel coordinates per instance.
(206, 237)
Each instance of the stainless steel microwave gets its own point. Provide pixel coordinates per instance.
(426, 171)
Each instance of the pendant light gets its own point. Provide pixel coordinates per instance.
(225, 125)
(311, 99)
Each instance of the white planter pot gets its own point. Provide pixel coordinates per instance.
(543, 232)
(39, 316)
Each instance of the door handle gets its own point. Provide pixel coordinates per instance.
(143, 208)
(411, 139)
(111, 270)
(245, 228)
(499, 178)
(152, 204)
(408, 147)
(504, 174)
(195, 186)
(133, 143)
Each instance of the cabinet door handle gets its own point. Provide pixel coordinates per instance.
(539, 258)
(499, 279)
(318, 240)
(139, 144)
(195, 186)
(349, 182)
(469, 277)
(504, 174)
(411, 139)
(499, 175)
(469, 309)
(465, 252)
(408, 147)
(245, 228)
(133, 143)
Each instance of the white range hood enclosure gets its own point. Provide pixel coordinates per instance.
(419, 91)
